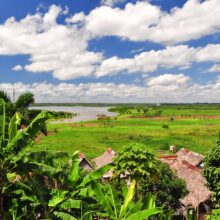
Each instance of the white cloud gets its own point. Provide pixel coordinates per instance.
(56, 48)
(17, 68)
(62, 49)
(144, 21)
(214, 68)
(167, 80)
(181, 56)
(132, 22)
(164, 88)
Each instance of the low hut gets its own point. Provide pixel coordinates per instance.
(85, 163)
(186, 164)
(106, 158)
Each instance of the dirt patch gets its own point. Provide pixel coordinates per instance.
(41, 135)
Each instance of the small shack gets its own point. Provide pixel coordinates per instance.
(85, 163)
(187, 165)
(106, 158)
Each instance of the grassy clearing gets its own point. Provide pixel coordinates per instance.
(93, 138)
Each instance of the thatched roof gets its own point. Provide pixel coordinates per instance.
(106, 158)
(184, 163)
(195, 183)
(85, 163)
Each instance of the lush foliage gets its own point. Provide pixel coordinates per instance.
(136, 162)
(169, 189)
(35, 185)
(212, 173)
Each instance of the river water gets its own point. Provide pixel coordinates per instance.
(83, 113)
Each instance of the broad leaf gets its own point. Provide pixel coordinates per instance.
(64, 216)
(13, 125)
(128, 198)
(144, 214)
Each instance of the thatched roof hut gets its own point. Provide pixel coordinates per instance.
(106, 158)
(196, 185)
(185, 164)
(85, 163)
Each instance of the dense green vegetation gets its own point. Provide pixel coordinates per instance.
(93, 138)
(212, 173)
(150, 175)
(41, 182)
(168, 110)
(34, 186)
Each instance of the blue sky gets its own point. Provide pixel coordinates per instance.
(111, 50)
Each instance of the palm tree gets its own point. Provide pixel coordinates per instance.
(21, 105)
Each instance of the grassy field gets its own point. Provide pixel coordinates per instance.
(93, 138)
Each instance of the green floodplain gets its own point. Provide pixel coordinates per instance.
(195, 127)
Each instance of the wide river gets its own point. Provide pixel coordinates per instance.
(83, 113)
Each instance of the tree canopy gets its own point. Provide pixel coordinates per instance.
(212, 173)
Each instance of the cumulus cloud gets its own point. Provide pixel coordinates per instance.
(62, 49)
(181, 56)
(17, 68)
(57, 48)
(143, 21)
(167, 80)
(215, 68)
(165, 88)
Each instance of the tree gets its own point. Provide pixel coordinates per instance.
(212, 173)
(26, 178)
(169, 189)
(13, 147)
(24, 100)
(21, 105)
(136, 162)
(139, 164)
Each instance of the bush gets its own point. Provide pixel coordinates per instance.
(165, 126)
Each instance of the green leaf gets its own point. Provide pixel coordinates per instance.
(74, 174)
(103, 199)
(71, 204)
(13, 125)
(128, 198)
(149, 201)
(57, 199)
(64, 216)
(45, 168)
(96, 174)
(2, 126)
(140, 215)
(23, 137)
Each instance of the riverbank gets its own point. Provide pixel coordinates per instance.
(81, 114)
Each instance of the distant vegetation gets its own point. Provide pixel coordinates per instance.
(168, 110)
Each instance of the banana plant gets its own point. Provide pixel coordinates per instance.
(113, 208)
(14, 144)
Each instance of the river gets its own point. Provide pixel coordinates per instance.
(83, 113)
